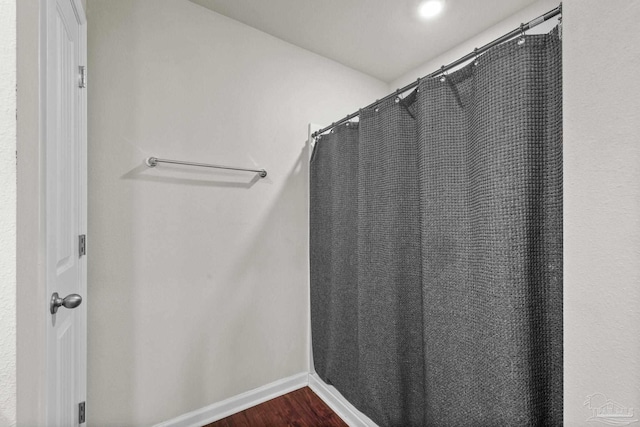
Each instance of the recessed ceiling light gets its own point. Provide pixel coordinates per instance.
(430, 8)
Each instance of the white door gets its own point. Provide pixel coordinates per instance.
(65, 215)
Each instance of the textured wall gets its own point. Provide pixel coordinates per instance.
(7, 212)
(601, 58)
(198, 278)
(31, 318)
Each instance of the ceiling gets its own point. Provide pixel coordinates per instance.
(382, 38)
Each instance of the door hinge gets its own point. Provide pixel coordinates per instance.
(82, 244)
(83, 77)
(81, 413)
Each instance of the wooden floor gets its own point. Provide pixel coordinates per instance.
(300, 408)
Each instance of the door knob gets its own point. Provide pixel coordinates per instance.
(70, 301)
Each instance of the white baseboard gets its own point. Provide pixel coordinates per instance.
(338, 403)
(235, 404)
(238, 403)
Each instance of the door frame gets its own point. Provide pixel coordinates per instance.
(32, 298)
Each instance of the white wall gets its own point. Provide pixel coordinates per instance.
(601, 58)
(198, 279)
(32, 315)
(7, 212)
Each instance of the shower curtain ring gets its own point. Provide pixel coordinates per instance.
(397, 96)
(560, 23)
(443, 78)
(475, 54)
(521, 40)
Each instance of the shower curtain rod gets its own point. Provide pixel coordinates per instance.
(518, 31)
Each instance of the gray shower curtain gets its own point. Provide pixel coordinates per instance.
(436, 247)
